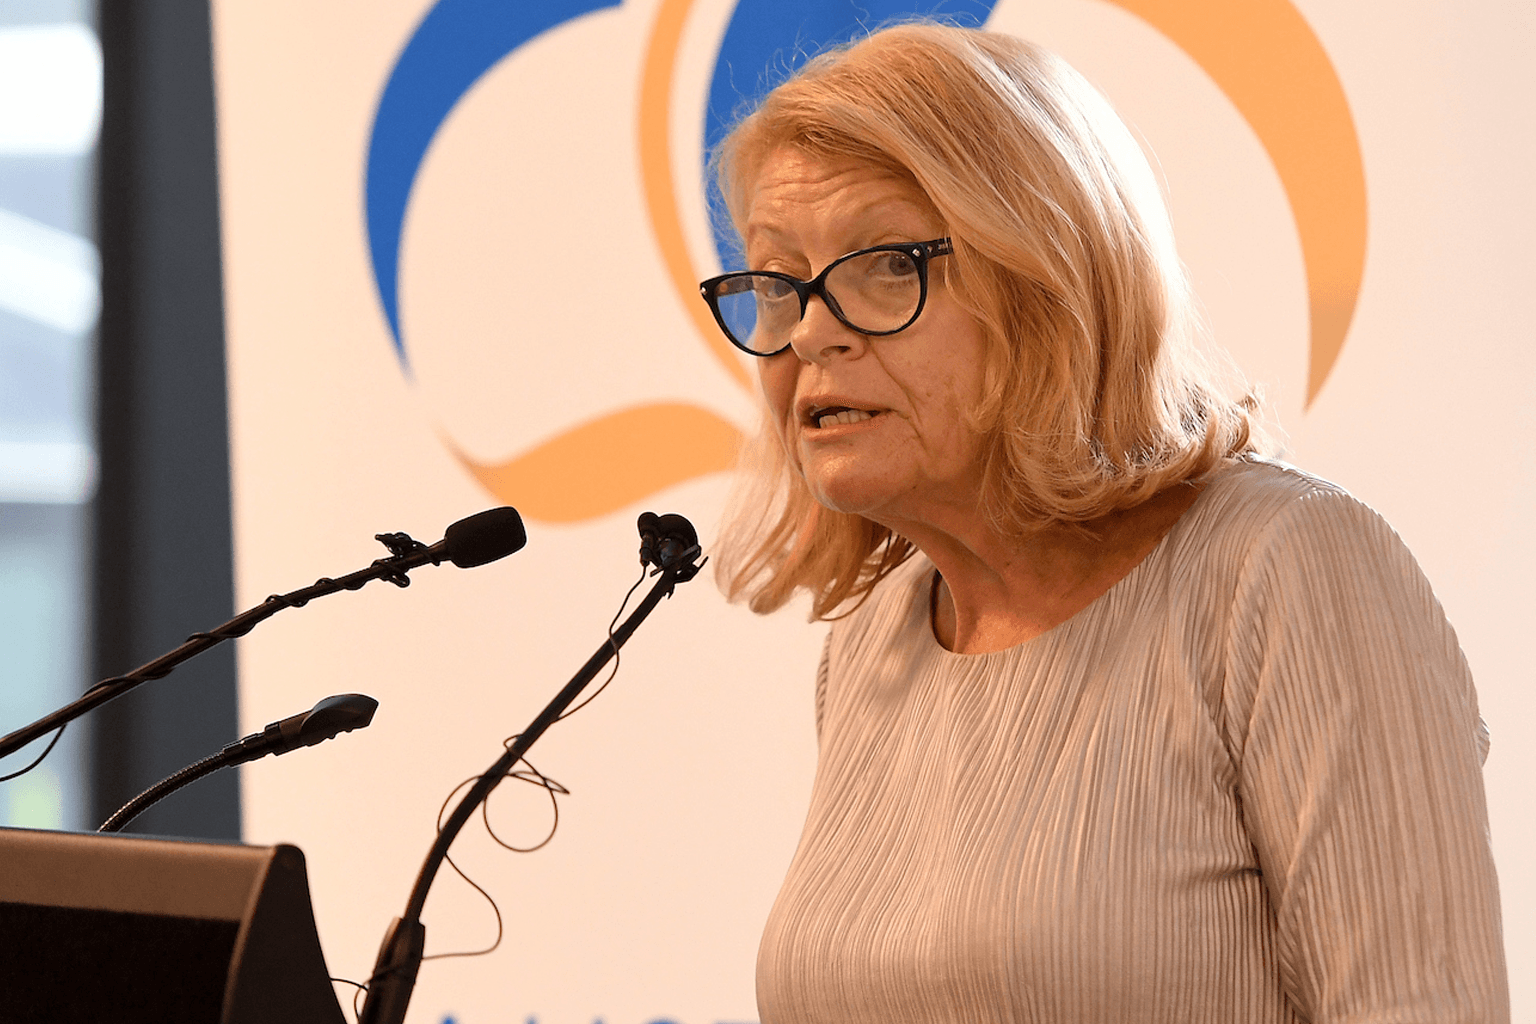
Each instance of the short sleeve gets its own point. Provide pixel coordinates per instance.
(1351, 712)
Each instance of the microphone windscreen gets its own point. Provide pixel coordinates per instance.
(675, 527)
(485, 537)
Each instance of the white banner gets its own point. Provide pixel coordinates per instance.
(461, 247)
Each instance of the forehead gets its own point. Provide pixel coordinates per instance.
(804, 198)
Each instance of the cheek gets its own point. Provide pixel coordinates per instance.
(948, 384)
(776, 374)
(965, 366)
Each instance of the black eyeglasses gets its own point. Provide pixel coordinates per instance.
(875, 291)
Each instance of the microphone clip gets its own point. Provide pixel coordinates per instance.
(400, 545)
(682, 564)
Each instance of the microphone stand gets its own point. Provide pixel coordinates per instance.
(405, 554)
(400, 954)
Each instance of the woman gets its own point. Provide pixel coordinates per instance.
(1118, 721)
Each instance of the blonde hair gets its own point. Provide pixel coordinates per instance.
(1095, 396)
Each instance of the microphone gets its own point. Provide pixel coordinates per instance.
(473, 541)
(329, 718)
(326, 720)
(669, 542)
(484, 537)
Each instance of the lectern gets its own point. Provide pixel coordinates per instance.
(126, 929)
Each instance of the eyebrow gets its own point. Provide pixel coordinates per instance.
(867, 235)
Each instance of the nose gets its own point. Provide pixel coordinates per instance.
(820, 336)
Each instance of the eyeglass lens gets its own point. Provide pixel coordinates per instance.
(872, 292)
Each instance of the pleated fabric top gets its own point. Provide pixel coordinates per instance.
(1243, 786)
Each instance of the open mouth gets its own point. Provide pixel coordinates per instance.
(831, 416)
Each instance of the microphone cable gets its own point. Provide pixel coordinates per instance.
(528, 774)
(39, 758)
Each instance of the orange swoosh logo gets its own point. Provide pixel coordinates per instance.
(657, 179)
(1272, 66)
(606, 463)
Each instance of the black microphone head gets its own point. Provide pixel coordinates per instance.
(334, 715)
(484, 537)
(668, 542)
(677, 528)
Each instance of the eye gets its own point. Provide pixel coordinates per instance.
(893, 263)
(772, 289)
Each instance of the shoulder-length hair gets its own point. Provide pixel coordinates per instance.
(1095, 396)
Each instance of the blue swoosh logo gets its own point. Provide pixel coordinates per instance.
(454, 46)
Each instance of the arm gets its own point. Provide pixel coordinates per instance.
(1360, 775)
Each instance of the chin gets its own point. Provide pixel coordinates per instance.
(854, 496)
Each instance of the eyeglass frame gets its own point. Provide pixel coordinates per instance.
(921, 253)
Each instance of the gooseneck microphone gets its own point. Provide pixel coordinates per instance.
(668, 543)
(477, 540)
(327, 719)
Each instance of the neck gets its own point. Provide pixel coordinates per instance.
(996, 591)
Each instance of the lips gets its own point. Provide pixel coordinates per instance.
(822, 416)
(839, 415)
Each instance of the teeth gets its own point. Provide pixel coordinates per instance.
(827, 419)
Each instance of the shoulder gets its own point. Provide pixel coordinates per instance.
(1268, 518)
(1256, 515)
(1274, 539)
(1326, 607)
(897, 609)
(876, 642)
(1287, 584)
(1252, 496)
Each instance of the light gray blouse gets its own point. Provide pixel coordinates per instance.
(1242, 786)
